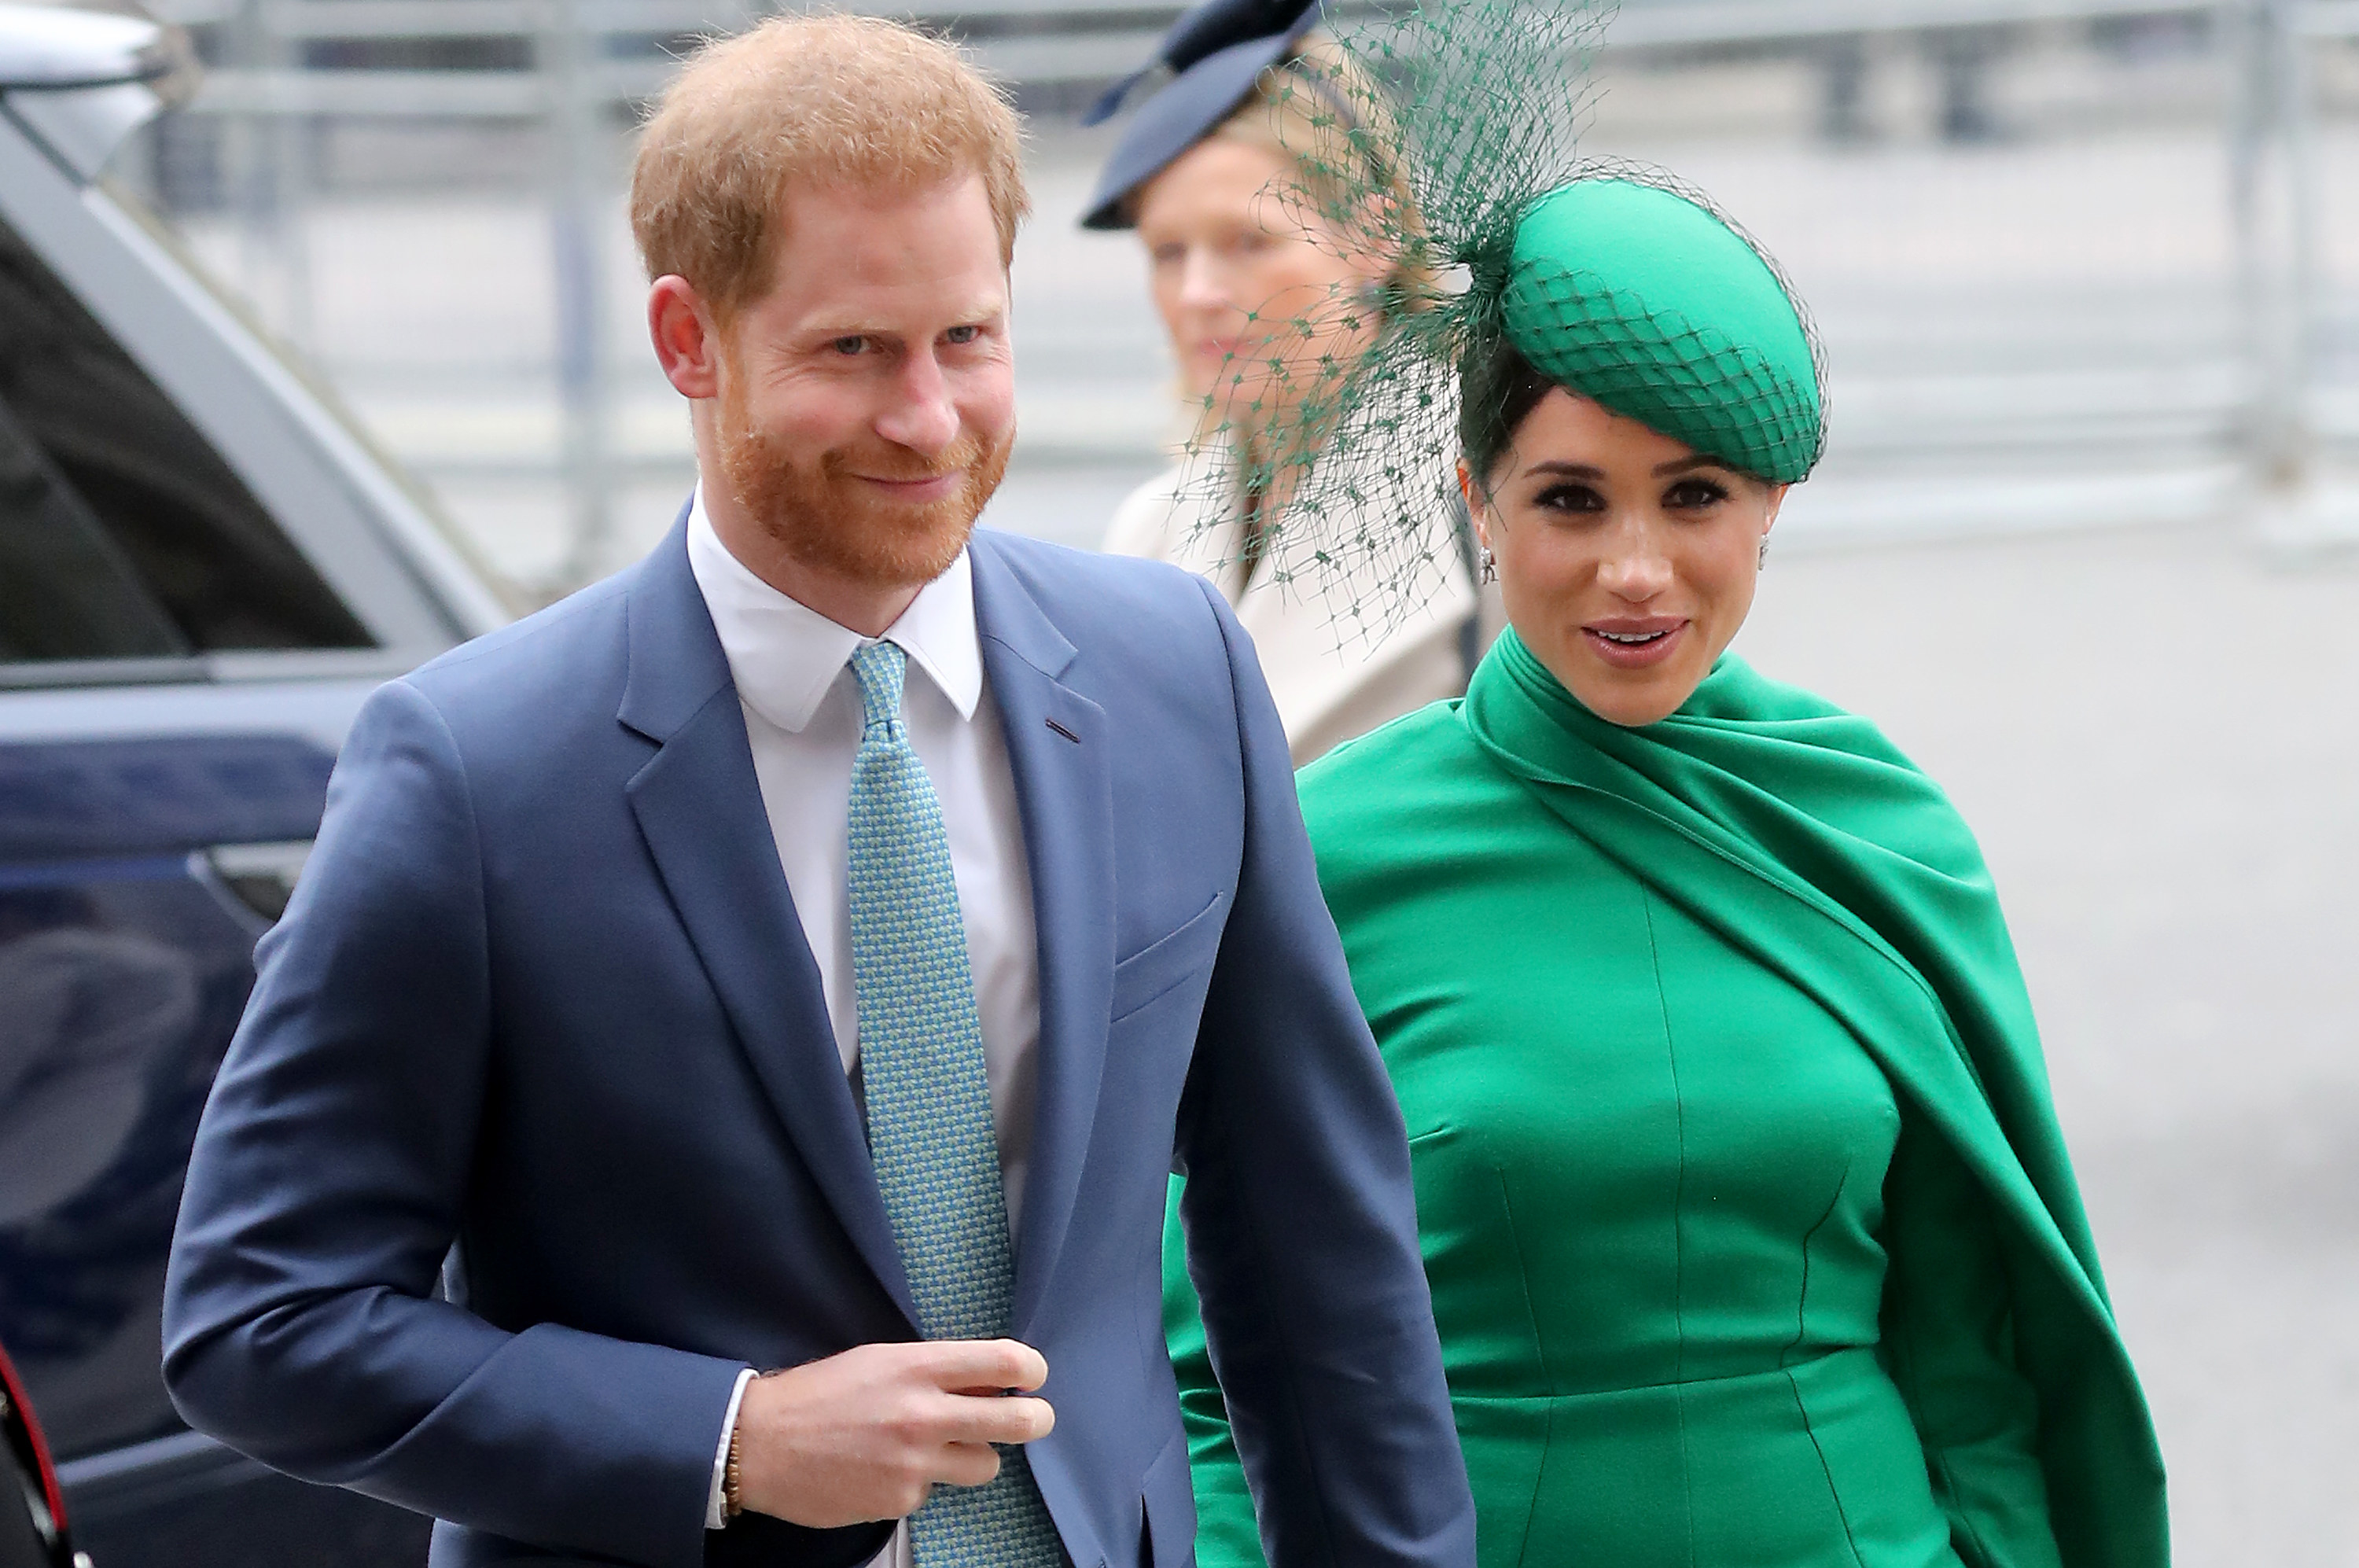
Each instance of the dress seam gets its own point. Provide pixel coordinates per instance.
(1802, 1301)
(1679, 1231)
(1801, 1405)
(1524, 1277)
(1764, 1372)
(1539, 1349)
(1834, 1493)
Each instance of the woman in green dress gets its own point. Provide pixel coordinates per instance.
(1752, 1238)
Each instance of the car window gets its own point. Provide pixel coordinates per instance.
(122, 534)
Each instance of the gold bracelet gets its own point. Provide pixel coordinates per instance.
(732, 1502)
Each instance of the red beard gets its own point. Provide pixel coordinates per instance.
(824, 518)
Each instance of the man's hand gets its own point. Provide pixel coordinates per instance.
(866, 1435)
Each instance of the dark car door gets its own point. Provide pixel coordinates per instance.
(135, 875)
(175, 675)
(124, 959)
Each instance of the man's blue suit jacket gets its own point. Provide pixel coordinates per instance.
(542, 992)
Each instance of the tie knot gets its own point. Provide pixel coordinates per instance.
(879, 669)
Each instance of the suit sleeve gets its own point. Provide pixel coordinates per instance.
(300, 1324)
(1300, 1217)
(1949, 1336)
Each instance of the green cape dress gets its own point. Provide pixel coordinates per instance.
(1751, 1232)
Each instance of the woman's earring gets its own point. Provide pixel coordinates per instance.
(1490, 565)
(1765, 553)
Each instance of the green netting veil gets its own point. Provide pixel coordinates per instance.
(1442, 141)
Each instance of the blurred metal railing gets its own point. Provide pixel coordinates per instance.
(582, 67)
(1024, 42)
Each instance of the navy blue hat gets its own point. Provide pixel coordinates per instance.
(1216, 50)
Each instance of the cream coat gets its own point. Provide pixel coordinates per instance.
(1331, 681)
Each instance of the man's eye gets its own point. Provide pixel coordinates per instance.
(963, 334)
(849, 346)
(1568, 498)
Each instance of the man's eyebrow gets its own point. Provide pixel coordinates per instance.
(827, 331)
(983, 311)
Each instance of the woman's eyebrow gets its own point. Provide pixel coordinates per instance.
(1570, 470)
(1688, 464)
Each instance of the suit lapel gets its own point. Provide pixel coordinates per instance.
(1057, 750)
(698, 807)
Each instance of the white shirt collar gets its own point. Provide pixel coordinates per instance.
(783, 654)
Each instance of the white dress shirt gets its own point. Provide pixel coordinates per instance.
(803, 719)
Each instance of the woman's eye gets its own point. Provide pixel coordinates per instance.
(1694, 495)
(1568, 498)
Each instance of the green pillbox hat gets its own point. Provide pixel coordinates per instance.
(1648, 303)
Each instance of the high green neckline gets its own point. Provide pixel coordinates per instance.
(1518, 664)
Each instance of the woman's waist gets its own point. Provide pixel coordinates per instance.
(1728, 1377)
(1792, 1467)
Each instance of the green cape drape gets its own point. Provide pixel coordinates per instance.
(1805, 838)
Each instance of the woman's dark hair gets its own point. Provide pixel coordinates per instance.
(1497, 388)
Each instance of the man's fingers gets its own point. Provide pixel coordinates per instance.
(862, 1434)
(995, 1419)
(957, 1364)
(968, 1464)
(991, 1418)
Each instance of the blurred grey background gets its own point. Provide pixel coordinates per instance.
(2086, 539)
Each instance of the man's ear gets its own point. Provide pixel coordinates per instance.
(687, 340)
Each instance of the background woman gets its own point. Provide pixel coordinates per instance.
(1270, 292)
(1750, 1230)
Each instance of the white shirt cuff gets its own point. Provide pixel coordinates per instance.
(716, 1514)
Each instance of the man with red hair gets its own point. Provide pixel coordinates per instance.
(710, 1097)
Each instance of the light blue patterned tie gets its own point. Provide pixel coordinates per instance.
(930, 1127)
